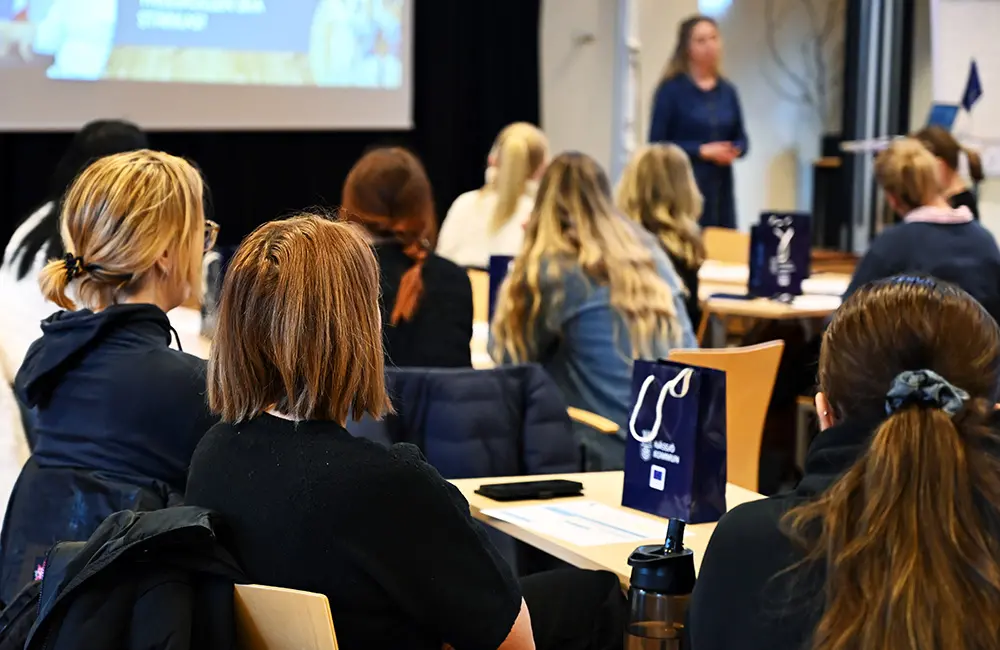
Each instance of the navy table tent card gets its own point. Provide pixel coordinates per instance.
(675, 452)
(780, 249)
(499, 267)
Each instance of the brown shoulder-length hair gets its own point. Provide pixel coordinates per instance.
(299, 326)
(680, 60)
(388, 192)
(908, 535)
(940, 142)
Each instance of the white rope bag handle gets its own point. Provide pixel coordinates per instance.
(670, 387)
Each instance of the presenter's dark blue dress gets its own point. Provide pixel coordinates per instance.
(686, 115)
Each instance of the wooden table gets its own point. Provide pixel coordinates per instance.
(603, 487)
(821, 296)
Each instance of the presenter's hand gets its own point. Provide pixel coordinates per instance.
(721, 153)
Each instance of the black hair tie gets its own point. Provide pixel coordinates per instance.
(74, 266)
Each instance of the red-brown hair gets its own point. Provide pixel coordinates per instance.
(388, 191)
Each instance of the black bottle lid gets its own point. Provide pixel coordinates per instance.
(664, 568)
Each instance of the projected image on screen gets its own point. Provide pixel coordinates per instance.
(325, 43)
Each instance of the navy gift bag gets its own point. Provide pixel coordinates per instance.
(498, 270)
(780, 250)
(675, 452)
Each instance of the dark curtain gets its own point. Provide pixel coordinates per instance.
(476, 68)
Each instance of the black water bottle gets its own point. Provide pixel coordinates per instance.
(661, 586)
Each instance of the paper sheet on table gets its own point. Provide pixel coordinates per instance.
(722, 273)
(826, 285)
(817, 302)
(583, 523)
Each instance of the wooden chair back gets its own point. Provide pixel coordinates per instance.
(750, 375)
(272, 618)
(725, 245)
(480, 295)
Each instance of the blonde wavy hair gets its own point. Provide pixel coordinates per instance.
(908, 172)
(575, 225)
(519, 152)
(658, 191)
(118, 218)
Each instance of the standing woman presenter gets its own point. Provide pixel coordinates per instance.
(699, 111)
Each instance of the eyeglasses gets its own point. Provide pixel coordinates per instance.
(211, 234)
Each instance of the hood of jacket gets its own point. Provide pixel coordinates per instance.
(68, 336)
(180, 536)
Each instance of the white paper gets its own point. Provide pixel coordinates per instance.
(825, 286)
(583, 523)
(723, 273)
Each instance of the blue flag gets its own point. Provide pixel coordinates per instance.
(973, 87)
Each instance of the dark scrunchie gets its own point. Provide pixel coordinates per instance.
(924, 388)
(74, 266)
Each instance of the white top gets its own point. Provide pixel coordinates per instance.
(465, 237)
(24, 307)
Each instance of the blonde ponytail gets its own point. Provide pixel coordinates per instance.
(512, 175)
(118, 218)
(521, 150)
(54, 280)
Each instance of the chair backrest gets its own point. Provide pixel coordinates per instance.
(272, 618)
(750, 375)
(725, 245)
(506, 421)
(480, 295)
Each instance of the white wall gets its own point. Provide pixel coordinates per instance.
(923, 93)
(578, 86)
(577, 76)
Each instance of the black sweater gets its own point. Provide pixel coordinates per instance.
(376, 529)
(439, 333)
(968, 199)
(740, 600)
(689, 276)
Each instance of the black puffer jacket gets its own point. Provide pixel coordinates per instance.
(149, 580)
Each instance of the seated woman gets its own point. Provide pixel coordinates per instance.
(375, 529)
(934, 238)
(948, 151)
(36, 240)
(118, 413)
(589, 293)
(658, 191)
(891, 539)
(427, 300)
(490, 221)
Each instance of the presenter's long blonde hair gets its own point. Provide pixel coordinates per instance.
(658, 191)
(118, 218)
(518, 153)
(575, 226)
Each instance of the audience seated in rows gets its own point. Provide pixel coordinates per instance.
(589, 293)
(308, 506)
(427, 300)
(658, 191)
(892, 539)
(118, 413)
(934, 238)
(491, 220)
